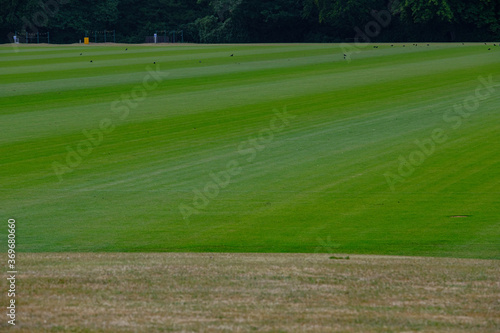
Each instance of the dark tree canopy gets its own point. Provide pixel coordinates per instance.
(224, 21)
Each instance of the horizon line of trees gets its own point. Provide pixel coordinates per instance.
(252, 21)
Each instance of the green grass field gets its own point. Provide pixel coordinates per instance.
(120, 154)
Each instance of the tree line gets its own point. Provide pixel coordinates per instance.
(257, 21)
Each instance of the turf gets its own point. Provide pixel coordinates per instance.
(313, 179)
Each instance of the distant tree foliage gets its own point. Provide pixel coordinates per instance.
(243, 21)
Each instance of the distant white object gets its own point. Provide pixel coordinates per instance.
(155, 38)
(16, 40)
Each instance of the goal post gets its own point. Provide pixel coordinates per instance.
(176, 34)
(101, 36)
(165, 36)
(26, 37)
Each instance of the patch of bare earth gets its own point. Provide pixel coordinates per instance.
(177, 292)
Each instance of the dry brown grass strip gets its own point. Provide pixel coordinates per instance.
(254, 292)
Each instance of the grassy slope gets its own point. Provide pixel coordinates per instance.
(316, 186)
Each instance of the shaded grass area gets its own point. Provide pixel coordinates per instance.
(320, 177)
(74, 292)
